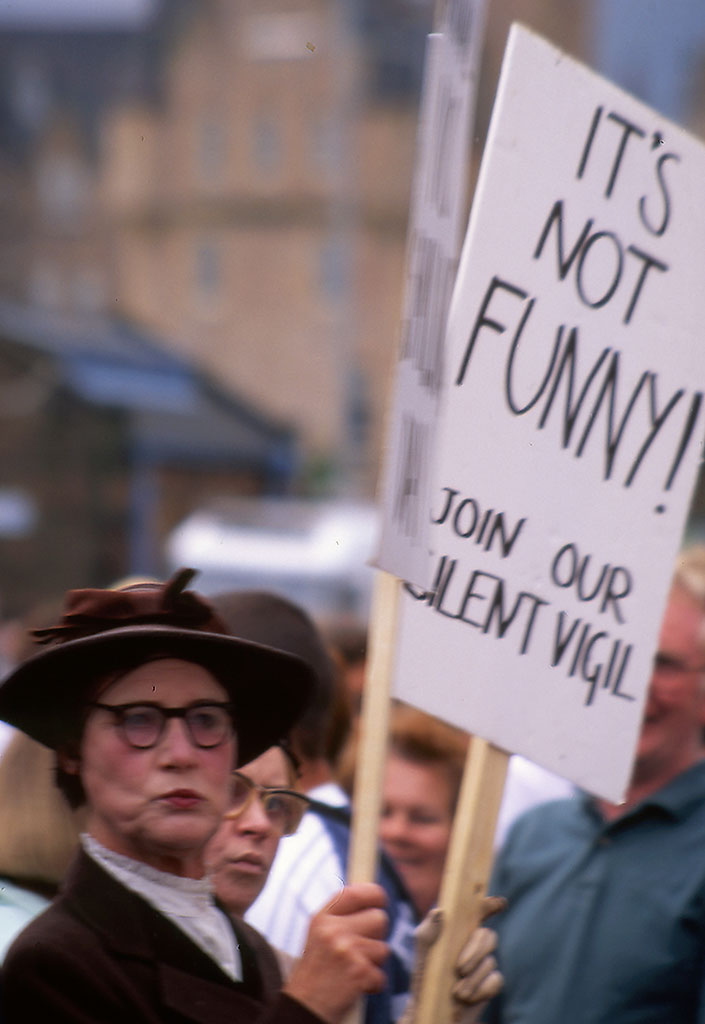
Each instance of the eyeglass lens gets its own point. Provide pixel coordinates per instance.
(284, 807)
(143, 725)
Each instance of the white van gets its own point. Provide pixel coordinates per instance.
(315, 553)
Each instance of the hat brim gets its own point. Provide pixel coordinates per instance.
(269, 689)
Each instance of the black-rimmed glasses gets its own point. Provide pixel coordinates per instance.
(284, 807)
(208, 723)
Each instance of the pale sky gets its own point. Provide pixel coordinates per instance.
(655, 49)
(72, 13)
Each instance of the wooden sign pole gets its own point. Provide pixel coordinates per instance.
(374, 727)
(466, 875)
(427, 215)
(470, 853)
(372, 749)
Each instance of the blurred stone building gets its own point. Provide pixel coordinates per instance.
(107, 441)
(237, 176)
(234, 176)
(258, 212)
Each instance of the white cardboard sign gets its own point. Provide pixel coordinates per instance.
(436, 223)
(572, 423)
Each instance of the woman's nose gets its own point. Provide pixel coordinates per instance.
(393, 827)
(175, 744)
(255, 818)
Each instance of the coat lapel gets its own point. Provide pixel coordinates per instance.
(190, 982)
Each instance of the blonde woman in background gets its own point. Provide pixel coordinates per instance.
(422, 776)
(38, 835)
(38, 830)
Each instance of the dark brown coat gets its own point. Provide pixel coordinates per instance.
(102, 955)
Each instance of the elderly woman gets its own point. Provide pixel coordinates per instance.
(149, 705)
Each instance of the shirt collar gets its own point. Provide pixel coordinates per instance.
(186, 902)
(674, 799)
(171, 894)
(329, 793)
(681, 793)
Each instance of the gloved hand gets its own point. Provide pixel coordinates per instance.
(476, 968)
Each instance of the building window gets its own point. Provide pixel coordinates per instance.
(267, 145)
(89, 289)
(19, 513)
(211, 149)
(357, 409)
(287, 35)
(30, 95)
(208, 275)
(327, 145)
(63, 188)
(45, 287)
(334, 269)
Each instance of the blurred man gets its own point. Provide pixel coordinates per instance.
(606, 915)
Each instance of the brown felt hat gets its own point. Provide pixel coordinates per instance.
(106, 631)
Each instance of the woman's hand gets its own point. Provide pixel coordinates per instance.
(344, 953)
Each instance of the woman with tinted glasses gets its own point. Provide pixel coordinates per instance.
(263, 808)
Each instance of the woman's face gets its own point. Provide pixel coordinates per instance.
(241, 852)
(158, 805)
(415, 825)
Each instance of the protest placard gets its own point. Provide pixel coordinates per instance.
(436, 224)
(435, 232)
(572, 426)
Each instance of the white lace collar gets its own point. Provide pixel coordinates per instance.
(187, 902)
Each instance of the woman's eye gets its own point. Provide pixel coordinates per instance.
(423, 818)
(138, 719)
(205, 720)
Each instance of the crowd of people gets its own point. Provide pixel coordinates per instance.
(179, 746)
(176, 799)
